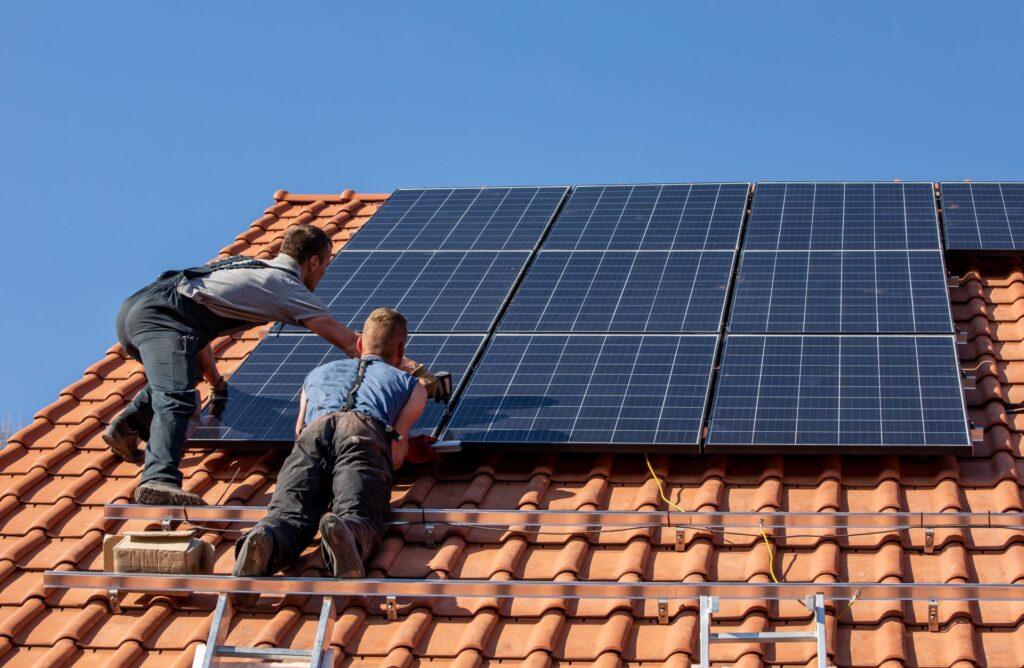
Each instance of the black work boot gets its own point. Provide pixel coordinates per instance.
(122, 440)
(159, 493)
(253, 560)
(338, 544)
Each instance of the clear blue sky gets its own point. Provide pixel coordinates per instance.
(136, 137)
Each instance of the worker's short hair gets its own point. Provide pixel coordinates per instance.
(304, 241)
(384, 332)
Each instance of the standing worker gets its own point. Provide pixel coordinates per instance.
(169, 324)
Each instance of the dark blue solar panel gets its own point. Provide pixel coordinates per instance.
(587, 390)
(832, 292)
(814, 392)
(461, 219)
(983, 216)
(621, 291)
(263, 399)
(440, 291)
(842, 216)
(651, 217)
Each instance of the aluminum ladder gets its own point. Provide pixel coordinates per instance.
(815, 603)
(315, 657)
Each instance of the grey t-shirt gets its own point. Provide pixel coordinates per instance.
(258, 294)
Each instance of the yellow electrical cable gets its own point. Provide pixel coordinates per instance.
(771, 555)
(657, 481)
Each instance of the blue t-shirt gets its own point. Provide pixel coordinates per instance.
(382, 395)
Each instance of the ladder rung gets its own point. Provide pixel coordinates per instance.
(280, 653)
(770, 636)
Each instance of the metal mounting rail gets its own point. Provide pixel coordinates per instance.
(603, 518)
(227, 584)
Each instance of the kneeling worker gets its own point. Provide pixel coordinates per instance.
(354, 421)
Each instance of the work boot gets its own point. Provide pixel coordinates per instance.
(122, 440)
(159, 493)
(253, 560)
(341, 554)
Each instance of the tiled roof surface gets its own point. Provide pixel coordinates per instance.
(56, 474)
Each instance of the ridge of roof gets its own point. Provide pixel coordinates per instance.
(56, 474)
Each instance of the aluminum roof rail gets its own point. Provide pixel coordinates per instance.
(603, 518)
(595, 589)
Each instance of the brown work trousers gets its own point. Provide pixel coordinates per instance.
(340, 462)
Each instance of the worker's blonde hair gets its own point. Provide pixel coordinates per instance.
(384, 332)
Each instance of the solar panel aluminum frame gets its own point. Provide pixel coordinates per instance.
(750, 185)
(566, 192)
(831, 448)
(962, 251)
(199, 443)
(939, 245)
(565, 446)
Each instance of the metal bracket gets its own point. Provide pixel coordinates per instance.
(933, 616)
(114, 596)
(392, 608)
(977, 434)
(428, 534)
(969, 381)
(952, 281)
(165, 524)
(663, 611)
(929, 540)
(680, 539)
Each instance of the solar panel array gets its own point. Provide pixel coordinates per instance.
(600, 328)
(264, 397)
(983, 216)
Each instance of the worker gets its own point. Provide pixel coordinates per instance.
(168, 327)
(352, 433)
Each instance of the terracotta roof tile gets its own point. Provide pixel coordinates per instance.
(56, 476)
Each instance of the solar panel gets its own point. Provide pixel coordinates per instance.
(838, 393)
(621, 291)
(587, 390)
(831, 292)
(461, 219)
(437, 291)
(983, 216)
(263, 401)
(842, 216)
(703, 216)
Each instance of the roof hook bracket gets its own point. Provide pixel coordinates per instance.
(114, 597)
(428, 534)
(663, 611)
(929, 540)
(680, 539)
(933, 615)
(392, 608)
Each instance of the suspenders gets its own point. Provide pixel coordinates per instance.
(350, 402)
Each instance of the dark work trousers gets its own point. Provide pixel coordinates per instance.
(165, 331)
(340, 462)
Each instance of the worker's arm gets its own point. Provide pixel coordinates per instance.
(335, 333)
(406, 419)
(301, 421)
(208, 365)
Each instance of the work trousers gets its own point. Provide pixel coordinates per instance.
(341, 462)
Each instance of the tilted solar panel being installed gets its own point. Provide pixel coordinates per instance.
(838, 394)
(983, 216)
(588, 391)
(461, 219)
(841, 292)
(842, 216)
(621, 291)
(264, 395)
(705, 216)
(437, 291)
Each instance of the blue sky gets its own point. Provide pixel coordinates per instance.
(136, 137)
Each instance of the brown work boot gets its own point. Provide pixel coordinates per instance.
(122, 440)
(253, 561)
(341, 554)
(158, 493)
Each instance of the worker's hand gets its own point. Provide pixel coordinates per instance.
(220, 396)
(420, 450)
(436, 389)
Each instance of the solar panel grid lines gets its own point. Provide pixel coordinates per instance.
(264, 400)
(838, 393)
(486, 218)
(621, 291)
(437, 291)
(703, 216)
(843, 216)
(983, 216)
(587, 390)
(841, 292)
